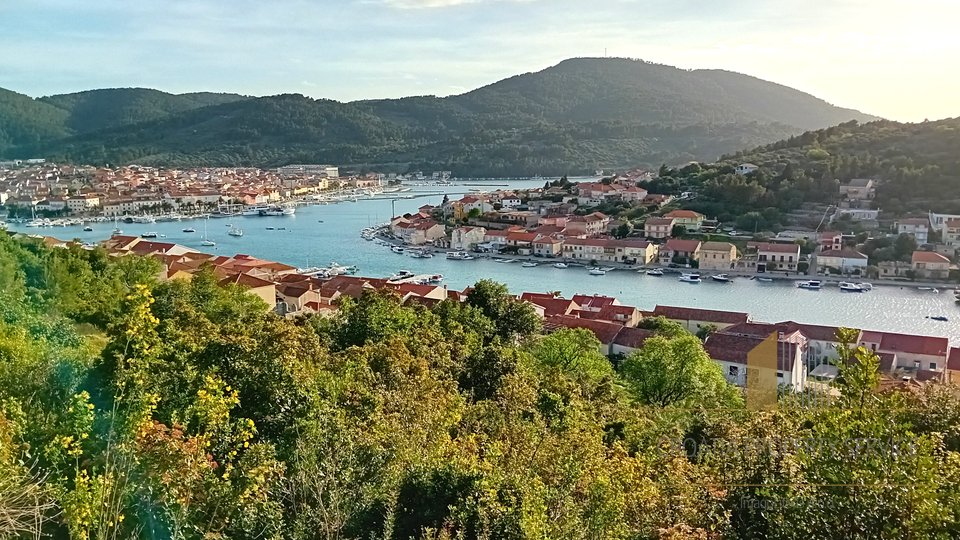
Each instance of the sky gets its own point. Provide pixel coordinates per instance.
(893, 58)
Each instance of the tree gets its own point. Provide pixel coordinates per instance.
(677, 371)
(623, 230)
(678, 231)
(513, 319)
(904, 246)
(575, 352)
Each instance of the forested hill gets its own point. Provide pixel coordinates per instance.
(577, 116)
(918, 164)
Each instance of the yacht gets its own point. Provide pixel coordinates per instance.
(253, 210)
(722, 278)
(144, 219)
(850, 287)
(597, 272)
(813, 284)
(560, 265)
(149, 235)
(234, 231)
(402, 274)
(529, 264)
(690, 278)
(655, 272)
(288, 210)
(459, 256)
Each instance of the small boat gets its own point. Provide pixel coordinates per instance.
(560, 265)
(149, 235)
(813, 284)
(270, 228)
(396, 249)
(420, 254)
(655, 272)
(435, 279)
(690, 278)
(722, 278)
(459, 256)
(764, 279)
(934, 290)
(597, 272)
(117, 231)
(850, 287)
(938, 318)
(866, 286)
(88, 228)
(235, 232)
(189, 230)
(402, 274)
(208, 243)
(529, 264)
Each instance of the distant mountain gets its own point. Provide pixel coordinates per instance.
(94, 110)
(574, 117)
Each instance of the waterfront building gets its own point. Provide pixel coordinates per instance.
(658, 227)
(717, 256)
(930, 264)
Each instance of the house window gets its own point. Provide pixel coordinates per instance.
(734, 371)
(933, 366)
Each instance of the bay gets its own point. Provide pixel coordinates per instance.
(318, 235)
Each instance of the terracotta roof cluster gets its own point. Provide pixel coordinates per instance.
(697, 314)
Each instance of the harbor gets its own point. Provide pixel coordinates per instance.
(318, 234)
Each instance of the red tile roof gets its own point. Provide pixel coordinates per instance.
(813, 331)
(593, 302)
(734, 348)
(913, 344)
(677, 244)
(928, 257)
(953, 360)
(684, 214)
(697, 314)
(778, 248)
(632, 337)
(606, 332)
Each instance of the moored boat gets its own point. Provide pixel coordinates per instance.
(938, 318)
(655, 272)
(722, 278)
(597, 272)
(850, 287)
(149, 235)
(813, 284)
(690, 278)
(189, 230)
(529, 264)
(396, 249)
(560, 265)
(459, 256)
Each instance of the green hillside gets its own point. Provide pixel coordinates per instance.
(574, 117)
(113, 107)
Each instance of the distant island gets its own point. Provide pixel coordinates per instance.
(578, 116)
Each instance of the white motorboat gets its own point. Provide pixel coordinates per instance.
(722, 278)
(396, 249)
(234, 231)
(402, 274)
(560, 265)
(655, 272)
(459, 256)
(850, 287)
(420, 254)
(149, 235)
(765, 279)
(88, 228)
(933, 290)
(597, 272)
(207, 243)
(813, 284)
(189, 230)
(529, 264)
(866, 286)
(690, 278)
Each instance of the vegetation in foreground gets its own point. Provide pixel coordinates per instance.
(131, 408)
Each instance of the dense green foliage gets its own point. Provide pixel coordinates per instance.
(573, 117)
(182, 410)
(918, 164)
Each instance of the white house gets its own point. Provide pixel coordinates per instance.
(731, 352)
(746, 168)
(916, 227)
(466, 238)
(846, 260)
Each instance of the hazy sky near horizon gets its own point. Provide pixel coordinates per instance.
(893, 58)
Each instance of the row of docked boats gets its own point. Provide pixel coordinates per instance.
(844, 286)
(406, 276)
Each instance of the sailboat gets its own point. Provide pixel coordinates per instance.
(116, 228)
(235, 231)
(206, 241)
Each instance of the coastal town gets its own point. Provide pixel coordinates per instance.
(610, 220)
(806, 353)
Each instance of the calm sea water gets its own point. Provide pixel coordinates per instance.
(317, 235)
